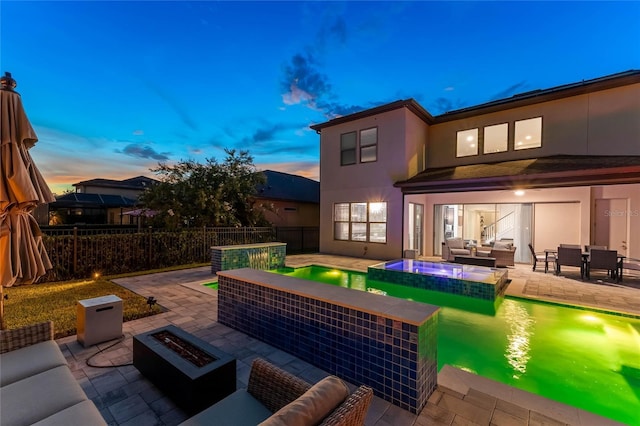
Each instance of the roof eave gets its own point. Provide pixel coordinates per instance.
(610, 176)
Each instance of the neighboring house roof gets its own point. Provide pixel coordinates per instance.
(81, 200)
(284, 186)
(515, 101)
(546, 172)
(138, 182)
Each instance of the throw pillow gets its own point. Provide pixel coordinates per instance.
(313, 406)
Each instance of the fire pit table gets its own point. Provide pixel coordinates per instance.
(193, 373)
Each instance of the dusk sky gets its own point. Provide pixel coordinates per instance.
(112, 88)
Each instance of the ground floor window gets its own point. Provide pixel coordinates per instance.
(360, 221)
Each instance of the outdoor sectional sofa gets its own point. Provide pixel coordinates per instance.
(36, 384)
(276, 397)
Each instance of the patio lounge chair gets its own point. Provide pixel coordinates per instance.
(453, 247)
(541, 257)
(604, 259)
(276, 397)
(569, 256)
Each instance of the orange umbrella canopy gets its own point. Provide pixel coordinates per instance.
(23, 259)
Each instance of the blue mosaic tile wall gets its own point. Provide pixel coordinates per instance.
(397, 359)
(480, 290)
(257, 256)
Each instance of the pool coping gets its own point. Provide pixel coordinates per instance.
(515, 290)
(462, 381)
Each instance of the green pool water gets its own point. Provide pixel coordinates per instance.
(213, 285)
(583, 358)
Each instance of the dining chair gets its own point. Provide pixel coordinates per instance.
(541, 257)
(569, 256)
(603, 259)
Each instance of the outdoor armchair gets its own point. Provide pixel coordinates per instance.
(453, 247)
(276, 397)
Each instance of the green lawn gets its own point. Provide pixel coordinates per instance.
(57, 302)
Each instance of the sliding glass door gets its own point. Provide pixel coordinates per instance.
(485, 224)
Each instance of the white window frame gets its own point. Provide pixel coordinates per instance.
(467, 143)
(358, 228)
(368, 146)
(353, 149)
(492, 137)
(520, 135)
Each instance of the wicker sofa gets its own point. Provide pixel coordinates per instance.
(276, 397)
(36, 384)
(503, 252)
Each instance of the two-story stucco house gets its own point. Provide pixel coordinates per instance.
(546, 167)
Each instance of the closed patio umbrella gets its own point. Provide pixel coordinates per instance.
(23, 258)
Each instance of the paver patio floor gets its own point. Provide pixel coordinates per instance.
(125, 397)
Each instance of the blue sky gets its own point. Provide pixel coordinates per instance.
(114, 87)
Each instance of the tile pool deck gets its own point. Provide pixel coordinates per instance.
(124, 397)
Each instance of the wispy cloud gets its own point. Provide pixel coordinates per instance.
(304, 82)
(510, 91)
(441, 105)
(62, 166)
(174, 104)
(144, 151)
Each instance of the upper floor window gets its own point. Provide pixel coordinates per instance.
(348, 148)
(368, 145)
(467, 143)
(495, 138)
(528, 133)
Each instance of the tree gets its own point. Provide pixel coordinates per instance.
(210, 194)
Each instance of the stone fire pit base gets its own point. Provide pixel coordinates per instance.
(165, 363)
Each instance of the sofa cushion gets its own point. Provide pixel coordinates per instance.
(500, 245)
(238, 409)
(30, 360)
(455, 243)
(460, 252)
(313, 406)
(83, 413)
(39, 396)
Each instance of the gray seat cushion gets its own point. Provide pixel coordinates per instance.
(460, 252)
(37, 397)
(238, 409)
(19, 364)
(82, 414)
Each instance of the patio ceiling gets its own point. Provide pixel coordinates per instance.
(547, 172)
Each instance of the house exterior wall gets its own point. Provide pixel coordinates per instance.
(631, 193)
(401, 138)
(602, 122)
(598, 123)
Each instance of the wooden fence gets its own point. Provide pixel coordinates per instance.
(78, 252)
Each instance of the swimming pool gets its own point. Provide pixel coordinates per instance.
(583, 358)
